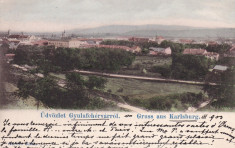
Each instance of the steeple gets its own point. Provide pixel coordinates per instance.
(63, 34)
(9, 32)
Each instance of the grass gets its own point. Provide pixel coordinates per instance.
(143, 89)
(146, 89)
(149, 61)
(145, 63)
(138, 92)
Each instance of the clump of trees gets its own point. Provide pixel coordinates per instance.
(64, 59)
(164, 70)
(166, 103)
(73, 95)
(223, 93)
(189, 67)
(219, 48)
(118, 42)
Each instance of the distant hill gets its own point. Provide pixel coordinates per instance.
(153, 30)
(195, 33)
(120, 29)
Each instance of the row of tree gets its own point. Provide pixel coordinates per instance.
(74, 95)
(64, 59)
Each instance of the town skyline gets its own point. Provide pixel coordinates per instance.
(54, 16)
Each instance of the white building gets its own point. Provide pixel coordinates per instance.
(72, 43)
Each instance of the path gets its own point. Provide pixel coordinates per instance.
(194, 109)
(141, 77)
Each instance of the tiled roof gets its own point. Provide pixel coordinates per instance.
(194, 51)
(9, 55)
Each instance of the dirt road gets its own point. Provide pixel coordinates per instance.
(194, 109)
(141, 77)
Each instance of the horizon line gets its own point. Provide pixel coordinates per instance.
(98, 26)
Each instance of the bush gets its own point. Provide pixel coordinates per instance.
(160, 103)
(164, 70)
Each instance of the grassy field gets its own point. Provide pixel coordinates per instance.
(139, 92)
(146, 89)
(143, 89)
(143, 64)
(149, 61)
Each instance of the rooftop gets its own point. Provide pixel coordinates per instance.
(194, 51)
(220, 67)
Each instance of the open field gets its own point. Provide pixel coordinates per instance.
(138, 92)
(146, 89)
(143, 89)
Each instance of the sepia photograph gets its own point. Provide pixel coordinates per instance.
(127, 56)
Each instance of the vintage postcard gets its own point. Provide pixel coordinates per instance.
(108, 73)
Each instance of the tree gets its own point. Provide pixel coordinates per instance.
(75, 80)
(95, 82)
(223, 93)
(189, 67)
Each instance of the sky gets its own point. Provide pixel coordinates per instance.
(57, 15)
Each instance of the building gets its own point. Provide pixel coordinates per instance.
(159, 39)
(210, 55)
(160, 51)
(9, 57)
(135, 39)
(70, 43)
(40, 43)
(22, 38)
(135, 49)
(220, 68)
(90, 41)
(13, 44)
(195, 51)
(184, 41)
(230, 53)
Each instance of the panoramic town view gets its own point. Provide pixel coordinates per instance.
(181, 61)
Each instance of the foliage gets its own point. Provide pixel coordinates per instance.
(189, 67)
(99, 103)
(164, 70)
(160, 103)
(167, 102)
(27, 55)
(46, 89)
(196, 46)
(95, 82)
(75, 80)
(64, 59)
(228, 61)
(192, 98)
(118, 42)
(219, 48)
(223, 93)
